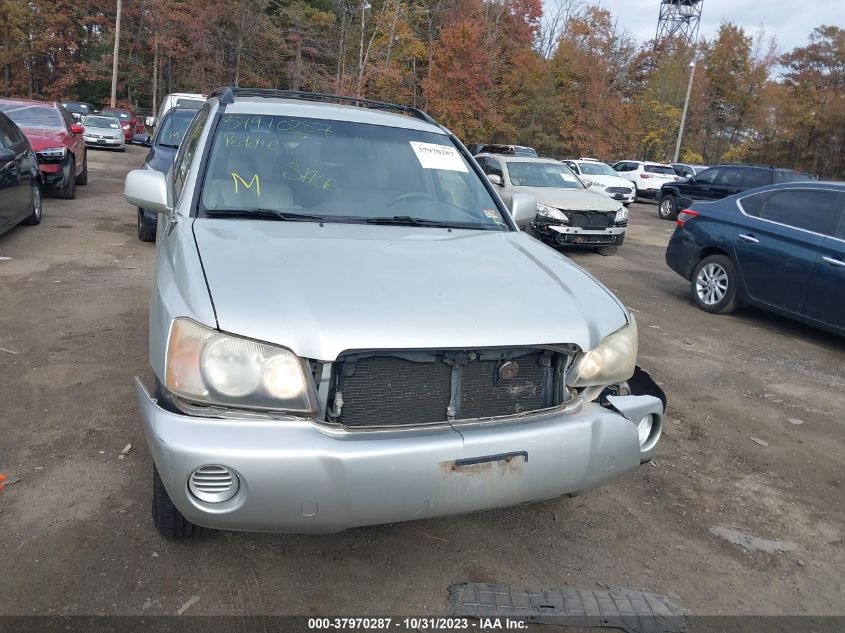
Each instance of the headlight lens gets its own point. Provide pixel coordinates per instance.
(52, 153)
(612, 361)
(621, 215)
(550, 212)
(207, 366)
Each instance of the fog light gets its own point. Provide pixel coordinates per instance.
(644, 428)
(213, 483)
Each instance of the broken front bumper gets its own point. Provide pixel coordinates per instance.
(577, 236)
(300, 476)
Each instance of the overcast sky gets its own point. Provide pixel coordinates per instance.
(790, 21)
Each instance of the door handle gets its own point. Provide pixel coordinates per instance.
(746, 237)
(834, 262)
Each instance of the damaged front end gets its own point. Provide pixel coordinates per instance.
(563, 227)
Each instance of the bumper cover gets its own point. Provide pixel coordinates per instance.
(298, 476)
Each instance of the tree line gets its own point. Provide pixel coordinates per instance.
(566, 80)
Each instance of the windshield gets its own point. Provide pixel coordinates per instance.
(660, 169)
(116, 113)
(343, 171)
(596, 169)
(555, 175)
(101, 121)
(173, 128)
(81, 108)
(189, 103)
(27, 115)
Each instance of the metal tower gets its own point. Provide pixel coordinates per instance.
(679, 18)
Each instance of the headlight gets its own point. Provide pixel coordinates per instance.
(550, 212)
(207, 366)
(52, 153)
(611, 362)
(621, 215)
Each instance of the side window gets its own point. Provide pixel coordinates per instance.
(806, 209)
(753, 205)
(187, 152)
(729, 177)
(708, 176)
(69, 122)
(494, 167)
(840, 232)
(7, 133)
(752, 178)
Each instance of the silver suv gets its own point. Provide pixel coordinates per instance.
(347, 328)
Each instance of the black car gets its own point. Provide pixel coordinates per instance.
(781, 248)
(20, 181)
(79, 109)
(162, 152)
(718, 182)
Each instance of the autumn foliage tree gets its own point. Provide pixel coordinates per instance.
(559, 75)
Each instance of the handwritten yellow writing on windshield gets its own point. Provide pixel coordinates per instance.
(256, 181)
(313, 177)
(274, 124)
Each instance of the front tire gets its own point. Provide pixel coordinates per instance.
(82, 178)
(68, 192)
(607, 250)
(667, 209)
(166, 517)
(145, 234)
(37, 206)
(715, 284)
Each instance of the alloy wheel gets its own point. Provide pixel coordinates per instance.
(36, 201)
(711, 285)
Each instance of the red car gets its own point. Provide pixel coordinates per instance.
(56, 139)
(130, 122)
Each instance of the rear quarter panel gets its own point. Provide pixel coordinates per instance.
(711, 232)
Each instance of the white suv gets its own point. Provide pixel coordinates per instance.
(602, 179)
(647, 177)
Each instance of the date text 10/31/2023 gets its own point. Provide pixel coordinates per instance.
(418, 624)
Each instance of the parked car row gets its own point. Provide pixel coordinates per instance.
(57, 141)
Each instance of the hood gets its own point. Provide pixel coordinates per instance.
(161, 158)
(571, 199)
(321, 291)
(45, 137)
(610, 181)
(105, 132)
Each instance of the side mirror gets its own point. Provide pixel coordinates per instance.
(588, 183)
(143, 140)
(6, 155)
(523, 208)
(146, 189)
(76, 129)
(495, 179)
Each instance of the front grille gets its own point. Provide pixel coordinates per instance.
(591, 219)
(392, 389)
(623, 190)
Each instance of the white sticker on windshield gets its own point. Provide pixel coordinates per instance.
(568, 177)
(432, 156)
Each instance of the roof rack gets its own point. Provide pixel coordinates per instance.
(227, 95)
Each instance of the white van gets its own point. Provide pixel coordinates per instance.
(180, 99)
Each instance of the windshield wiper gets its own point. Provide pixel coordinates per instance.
(266, 213)
(168, 145)
(407, 220)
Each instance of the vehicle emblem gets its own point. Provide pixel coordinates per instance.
(509, 370)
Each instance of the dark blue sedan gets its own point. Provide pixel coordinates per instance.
(780, 248)
(163, 147)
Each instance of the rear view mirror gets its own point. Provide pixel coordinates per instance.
(495, 179)
(523, 209)
(146, 189)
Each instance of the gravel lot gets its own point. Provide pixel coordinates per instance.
(754, 449)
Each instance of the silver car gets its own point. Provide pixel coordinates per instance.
(568, 212)
(103, 131)
(347, 328)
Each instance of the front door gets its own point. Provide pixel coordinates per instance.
(826, 294)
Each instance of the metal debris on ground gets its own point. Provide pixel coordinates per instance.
(757, 440)
(795, 421)
(191, 602)
(126, 450)
(8, 351)
(631, 611)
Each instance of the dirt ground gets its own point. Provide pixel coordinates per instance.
(77, 537)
